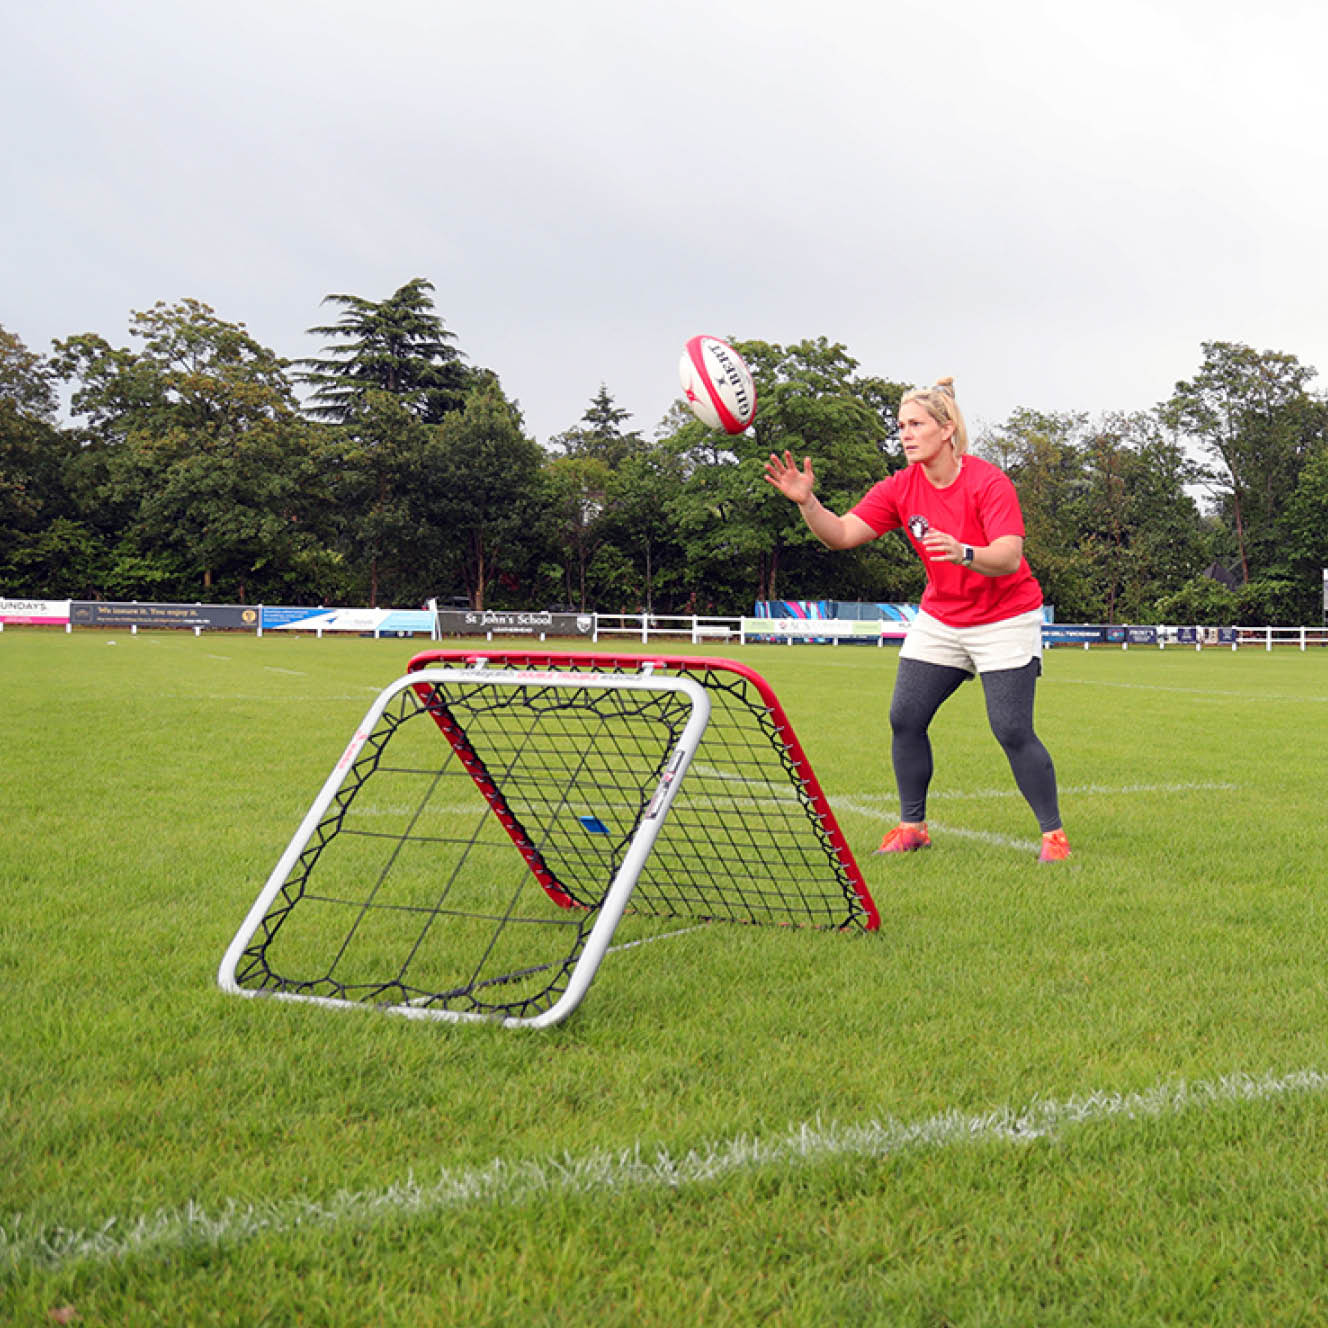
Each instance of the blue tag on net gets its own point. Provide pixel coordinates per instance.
(594, 825)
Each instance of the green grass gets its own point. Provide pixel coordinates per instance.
(1087, 1093)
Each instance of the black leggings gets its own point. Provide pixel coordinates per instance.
(919, 690)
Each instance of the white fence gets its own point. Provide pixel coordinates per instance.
(1267, 637)
(644, 626)
(696, 628)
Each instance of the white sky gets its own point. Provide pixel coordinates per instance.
(1055, 202)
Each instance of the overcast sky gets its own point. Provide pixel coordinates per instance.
(1055, 202)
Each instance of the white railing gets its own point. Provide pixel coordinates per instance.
(1268, 637)
(645, 625)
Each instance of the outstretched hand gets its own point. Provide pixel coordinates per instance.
(796, 485)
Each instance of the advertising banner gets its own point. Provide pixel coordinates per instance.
(794, 608)
(276, 616)
(35, 612)
(110, 613)
(513, 622)
(367, 622)
(1056, 634)
(868, 610)
(823, 629)
(1141, 636)
(895, 615)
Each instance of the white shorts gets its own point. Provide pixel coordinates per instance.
(987, 648)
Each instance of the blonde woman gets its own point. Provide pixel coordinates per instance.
(981, 612)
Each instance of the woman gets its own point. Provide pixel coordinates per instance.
(981, 612)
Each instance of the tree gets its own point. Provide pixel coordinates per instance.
(600, 436)
(1200, 601)
(494, 506)
(203, 477)
(1272, 601)
(1250, 413)
(1108, 523)
(1138, 527)
(577, 485)
(27, 380)
(641, 530)
(813, 401)
(398, 345)
(43, 547)
(613, 495)
(380, 464)
(578, 478)
(1043, 453)
(1306, 535)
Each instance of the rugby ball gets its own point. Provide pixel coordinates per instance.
(717, 384)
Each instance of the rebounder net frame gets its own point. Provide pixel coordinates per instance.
(650, 789)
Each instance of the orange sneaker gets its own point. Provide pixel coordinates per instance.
(905, 838)
(1055, 847)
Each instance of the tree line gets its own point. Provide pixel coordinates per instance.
(196, 464)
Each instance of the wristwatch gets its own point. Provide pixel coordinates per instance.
(968, 555)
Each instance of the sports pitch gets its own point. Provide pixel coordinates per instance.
(1091, 1092)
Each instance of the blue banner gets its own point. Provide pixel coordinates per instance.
(368, 622)
(1054, 634)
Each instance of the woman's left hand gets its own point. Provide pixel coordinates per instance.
(942, 548)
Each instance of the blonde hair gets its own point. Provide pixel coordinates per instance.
(939, 402)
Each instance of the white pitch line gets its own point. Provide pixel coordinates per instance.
(765, 788)
(319, 698)
(870, 804)
(24, 1243)
(986, 837)
(1198, 786)
(650, 940)
(874, 805)
(1188, 691)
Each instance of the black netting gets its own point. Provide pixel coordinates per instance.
(463, 860)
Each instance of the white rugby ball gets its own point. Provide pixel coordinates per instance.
(718, 384)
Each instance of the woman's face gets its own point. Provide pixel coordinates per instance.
(922, 436)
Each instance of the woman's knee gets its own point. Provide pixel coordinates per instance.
(907, 720)
(1014, 735)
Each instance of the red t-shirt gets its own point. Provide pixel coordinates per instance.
(977, 508)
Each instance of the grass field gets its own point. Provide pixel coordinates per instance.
(1088, 1093)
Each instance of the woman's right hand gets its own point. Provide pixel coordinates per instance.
(796, 485)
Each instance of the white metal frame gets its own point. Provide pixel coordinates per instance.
(619, 892)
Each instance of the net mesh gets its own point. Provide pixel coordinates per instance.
(408, 893)
(751, 837)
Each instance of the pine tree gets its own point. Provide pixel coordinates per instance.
(398, 345)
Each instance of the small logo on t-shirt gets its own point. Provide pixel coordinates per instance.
(918, 526)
